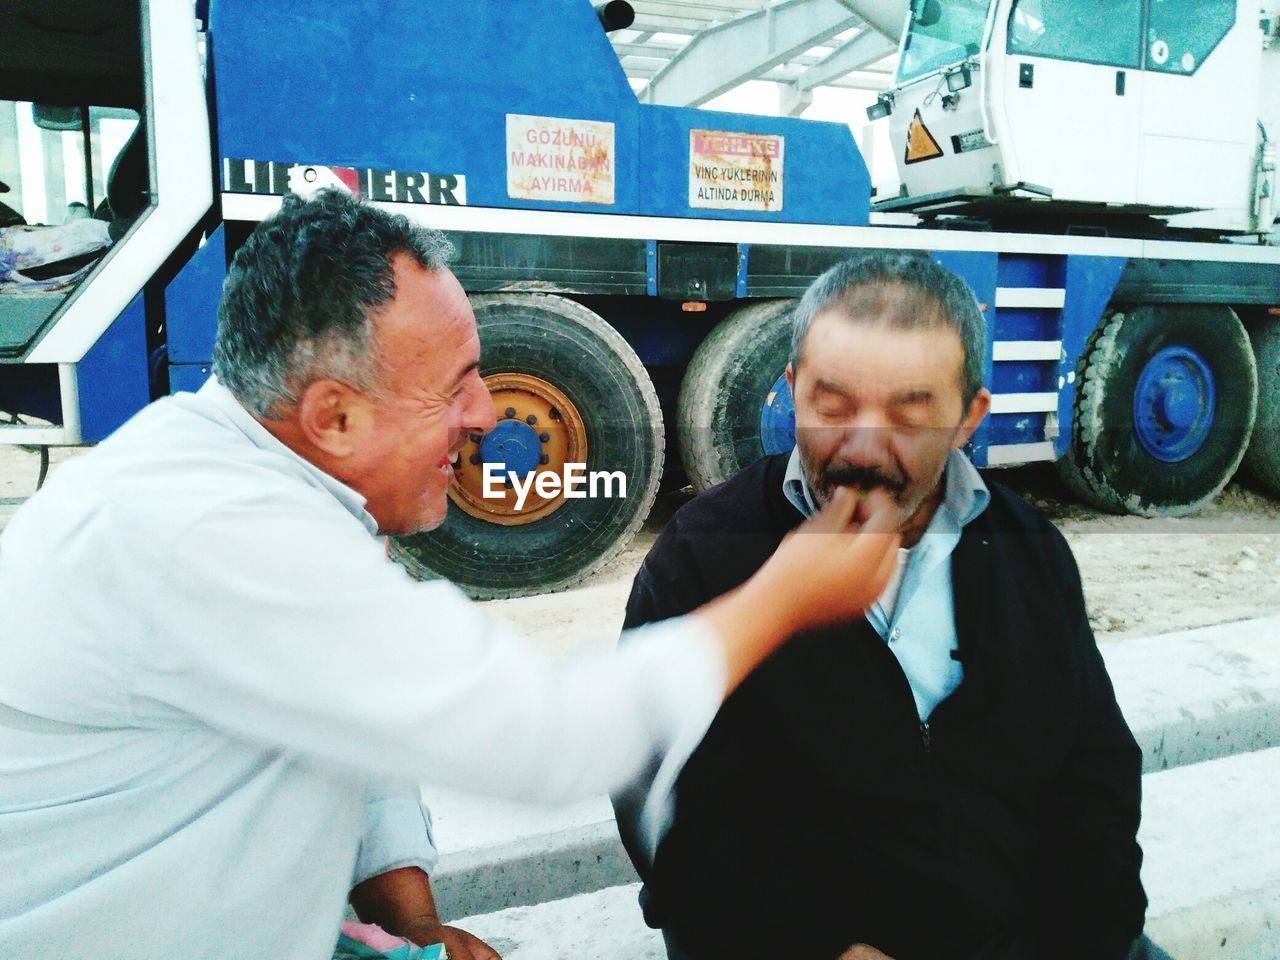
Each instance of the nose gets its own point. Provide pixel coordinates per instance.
(480, 412)
(865, 441)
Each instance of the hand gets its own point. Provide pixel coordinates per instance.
(402, 903)
(831, 568)
(860, 951)
(460, 944)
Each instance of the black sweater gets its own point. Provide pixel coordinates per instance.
(818, 812)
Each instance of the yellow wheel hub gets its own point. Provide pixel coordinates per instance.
(539, 430)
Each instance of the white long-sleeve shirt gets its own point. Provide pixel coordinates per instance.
(208, 666)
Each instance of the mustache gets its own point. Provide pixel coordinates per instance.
(865, 478)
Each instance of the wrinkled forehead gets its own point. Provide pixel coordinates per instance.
(881, 350)
(427, 330)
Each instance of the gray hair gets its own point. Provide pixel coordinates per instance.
(300, 297)
(904, 290)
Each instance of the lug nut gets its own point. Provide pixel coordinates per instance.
(544, 459)
(511, 412)
(531, 419)
(477, 437)
(544, 437)
(475, 459)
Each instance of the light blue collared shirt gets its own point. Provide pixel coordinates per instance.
(916, 615)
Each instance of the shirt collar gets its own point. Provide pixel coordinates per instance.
(966, 494)
(242, 420)
(796, 486)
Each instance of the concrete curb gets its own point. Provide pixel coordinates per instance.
(531, 870)
(1200, 694)
(1190, 696)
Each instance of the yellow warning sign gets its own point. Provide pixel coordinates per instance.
(920, 142)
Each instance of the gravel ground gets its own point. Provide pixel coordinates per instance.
(1140, 576)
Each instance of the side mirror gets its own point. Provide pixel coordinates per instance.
(959, 79)
(881, 108)
(926, 13)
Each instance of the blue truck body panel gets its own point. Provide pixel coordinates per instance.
(115, 374)
(188, 377)
(378, 89)
(191, 302)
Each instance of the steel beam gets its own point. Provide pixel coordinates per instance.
(728, 54)
(705, 10)
(793, 101)
(867, 48)
(886, 17)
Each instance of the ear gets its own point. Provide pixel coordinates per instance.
(334, 417)
(790, 374)
(977, 412)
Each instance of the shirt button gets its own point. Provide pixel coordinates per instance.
(895, 636)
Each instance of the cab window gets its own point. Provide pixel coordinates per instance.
(55, 166)
(75, 161)
(55, 160)
(1090, 31)
(1182, 33)
(941, 32)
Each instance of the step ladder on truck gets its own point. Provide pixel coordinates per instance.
(633, 266)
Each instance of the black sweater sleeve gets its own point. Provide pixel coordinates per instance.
(1094, 903)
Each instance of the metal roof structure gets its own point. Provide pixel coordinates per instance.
(686, 52)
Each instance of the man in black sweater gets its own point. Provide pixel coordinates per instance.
(949, 776)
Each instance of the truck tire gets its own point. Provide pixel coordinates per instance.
(1165, 405)
(1263, 456)
(732, 380)
(549, 356)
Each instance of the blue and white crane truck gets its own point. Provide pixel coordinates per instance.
(1101, 173)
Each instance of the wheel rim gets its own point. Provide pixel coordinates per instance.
(778, 418)
(1173, 404)
(539, 430)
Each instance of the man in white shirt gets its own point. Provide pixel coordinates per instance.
(217, 693)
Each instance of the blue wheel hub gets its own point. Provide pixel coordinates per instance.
(1173, 404)
(778, 419)
(513, 443)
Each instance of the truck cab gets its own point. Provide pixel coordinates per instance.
(1001, 106)
(104, 178)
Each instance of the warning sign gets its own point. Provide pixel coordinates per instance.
(551, 158)
(920, 142)
(735, 171)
